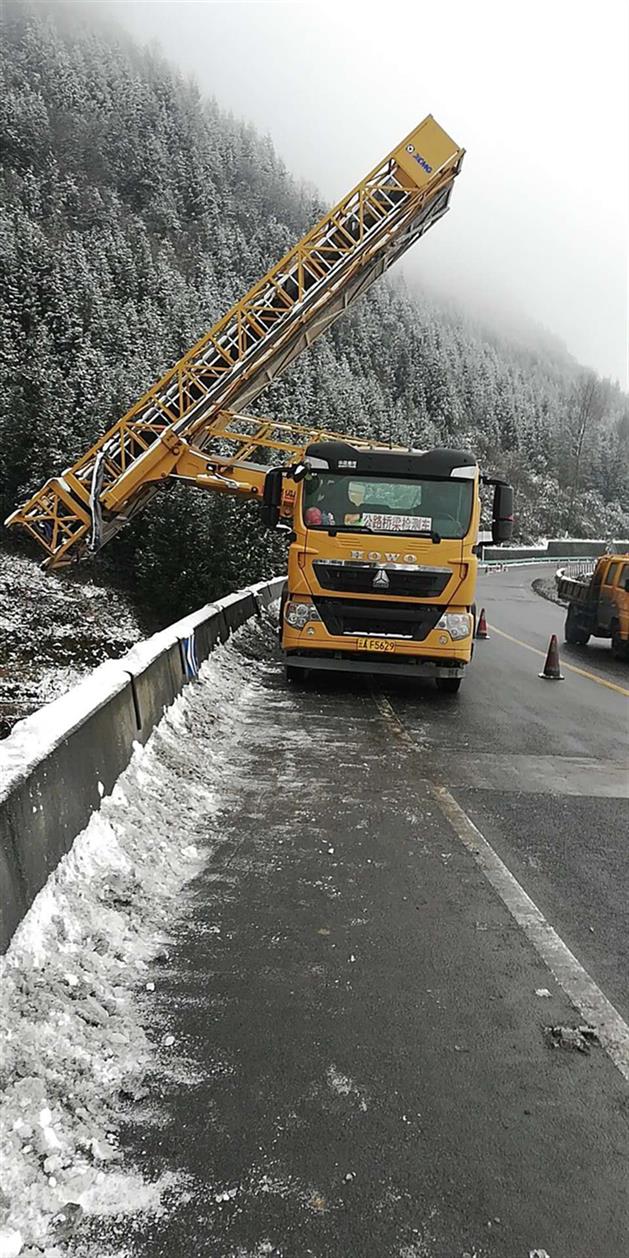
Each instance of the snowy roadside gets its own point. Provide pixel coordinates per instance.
(546, 587)
(53, 630)
(74, 1049)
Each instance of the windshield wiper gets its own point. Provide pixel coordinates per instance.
(348, 528)
(333, 529)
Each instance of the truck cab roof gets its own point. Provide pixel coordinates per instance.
(343, 457)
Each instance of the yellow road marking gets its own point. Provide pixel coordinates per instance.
(583, 672)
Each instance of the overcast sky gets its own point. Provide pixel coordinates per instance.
(537, 93)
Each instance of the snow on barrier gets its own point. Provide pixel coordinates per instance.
(57, 764)
(555, 549)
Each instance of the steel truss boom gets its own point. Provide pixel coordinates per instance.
(169, 431)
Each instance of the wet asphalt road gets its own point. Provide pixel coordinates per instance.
(367, 1071)
(542, 769)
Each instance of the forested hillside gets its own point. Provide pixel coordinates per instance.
(132, 213)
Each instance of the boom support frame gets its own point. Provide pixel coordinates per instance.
(168, 430)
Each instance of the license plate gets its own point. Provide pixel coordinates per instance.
(374, 644)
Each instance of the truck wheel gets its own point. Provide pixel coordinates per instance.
(448, 685)
(574, 633)
(620, 647)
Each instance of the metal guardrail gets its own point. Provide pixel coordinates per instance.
(577, 569)
(554, 560)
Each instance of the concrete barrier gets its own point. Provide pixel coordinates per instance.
(57, 764)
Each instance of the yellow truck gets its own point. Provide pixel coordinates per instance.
(382, 563)
(598, 604)
(382, 559)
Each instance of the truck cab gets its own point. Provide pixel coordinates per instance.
(382, 564)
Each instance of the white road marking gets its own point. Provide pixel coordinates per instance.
(578, 985)
(591, 1002)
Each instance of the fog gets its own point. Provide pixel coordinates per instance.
(537, 94)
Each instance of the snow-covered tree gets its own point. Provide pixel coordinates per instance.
(132, 213)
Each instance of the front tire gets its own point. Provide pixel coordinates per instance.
(448, 685)
(574, 632)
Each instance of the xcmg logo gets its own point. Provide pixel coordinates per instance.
(421, 161)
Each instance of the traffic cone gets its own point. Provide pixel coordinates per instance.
(481, 628)
(552, 671)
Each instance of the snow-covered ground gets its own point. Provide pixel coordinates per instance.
(547, 588)
(53, 630)
(73, 1046)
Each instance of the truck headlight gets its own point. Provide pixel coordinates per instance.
(298, 613)
(457, 624)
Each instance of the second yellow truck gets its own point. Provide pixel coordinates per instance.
(598, 604)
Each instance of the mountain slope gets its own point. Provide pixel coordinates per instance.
(132, 213)
(52, 632)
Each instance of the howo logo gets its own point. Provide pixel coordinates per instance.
(376, 556)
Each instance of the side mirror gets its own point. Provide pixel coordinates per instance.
(272, 498)
(502, 523)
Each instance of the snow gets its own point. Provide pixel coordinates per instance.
(37, 735)
(543, 543)
(184, 628)
(143, 653)
(53, 630)
(10, 1242)
(344, 1086)
(73, 1045)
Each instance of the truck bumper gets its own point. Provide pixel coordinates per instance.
(421, 670)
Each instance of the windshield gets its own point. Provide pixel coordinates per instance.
(387, 504)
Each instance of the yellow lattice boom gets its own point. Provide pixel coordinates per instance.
(184, 425)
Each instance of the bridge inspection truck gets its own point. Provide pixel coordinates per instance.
(382, 565)
(598, 604)
(382, 557)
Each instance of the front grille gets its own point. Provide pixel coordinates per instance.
(358, 578)
(357, 616)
